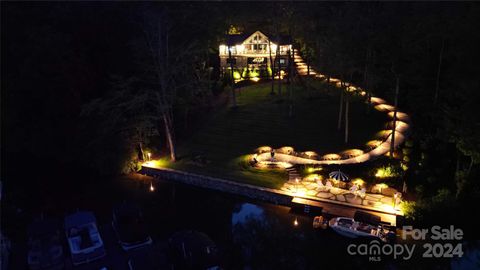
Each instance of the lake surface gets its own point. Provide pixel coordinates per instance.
(256, 235)
(249, 234)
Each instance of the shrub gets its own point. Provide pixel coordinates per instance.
(408, 208)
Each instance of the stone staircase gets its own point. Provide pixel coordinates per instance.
(302, 67)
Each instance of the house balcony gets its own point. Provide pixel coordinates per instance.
(253, 53)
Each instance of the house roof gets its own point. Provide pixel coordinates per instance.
(240, 38)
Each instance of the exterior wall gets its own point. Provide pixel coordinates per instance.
(241, 65)
(249, 54)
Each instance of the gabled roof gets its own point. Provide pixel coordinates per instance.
(240, 38)
(259, 33)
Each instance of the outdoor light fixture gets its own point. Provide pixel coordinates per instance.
(149, 156)
(295, 222)
(395, 197)
(358, 181)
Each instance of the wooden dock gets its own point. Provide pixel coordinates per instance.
(332, 209)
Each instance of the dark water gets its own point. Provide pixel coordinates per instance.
(257, 235)
(249, 234)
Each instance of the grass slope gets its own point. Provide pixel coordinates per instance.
(262, 119)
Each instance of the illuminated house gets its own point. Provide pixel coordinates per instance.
(250, 54)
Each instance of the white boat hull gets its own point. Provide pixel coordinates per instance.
(350, 228)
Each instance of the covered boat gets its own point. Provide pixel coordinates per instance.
(83, 238)
(129, 226)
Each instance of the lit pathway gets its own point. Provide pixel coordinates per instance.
(382, 148)
(308, 188)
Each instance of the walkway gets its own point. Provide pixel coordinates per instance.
(299, 188)
(314, 190)
(401, 128)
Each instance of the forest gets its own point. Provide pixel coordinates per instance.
(91, 86)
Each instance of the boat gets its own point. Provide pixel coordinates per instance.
(129, 227)
(45, 250)
(351, 228)
(83, 238)
(193, 250)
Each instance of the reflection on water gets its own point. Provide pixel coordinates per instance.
(256, 235)
(247, 210)
(249, 234)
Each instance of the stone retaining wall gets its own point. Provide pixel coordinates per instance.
(250, 191)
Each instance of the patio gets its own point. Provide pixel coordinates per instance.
(379, 197)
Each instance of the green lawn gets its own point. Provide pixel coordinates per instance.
(262, 119)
